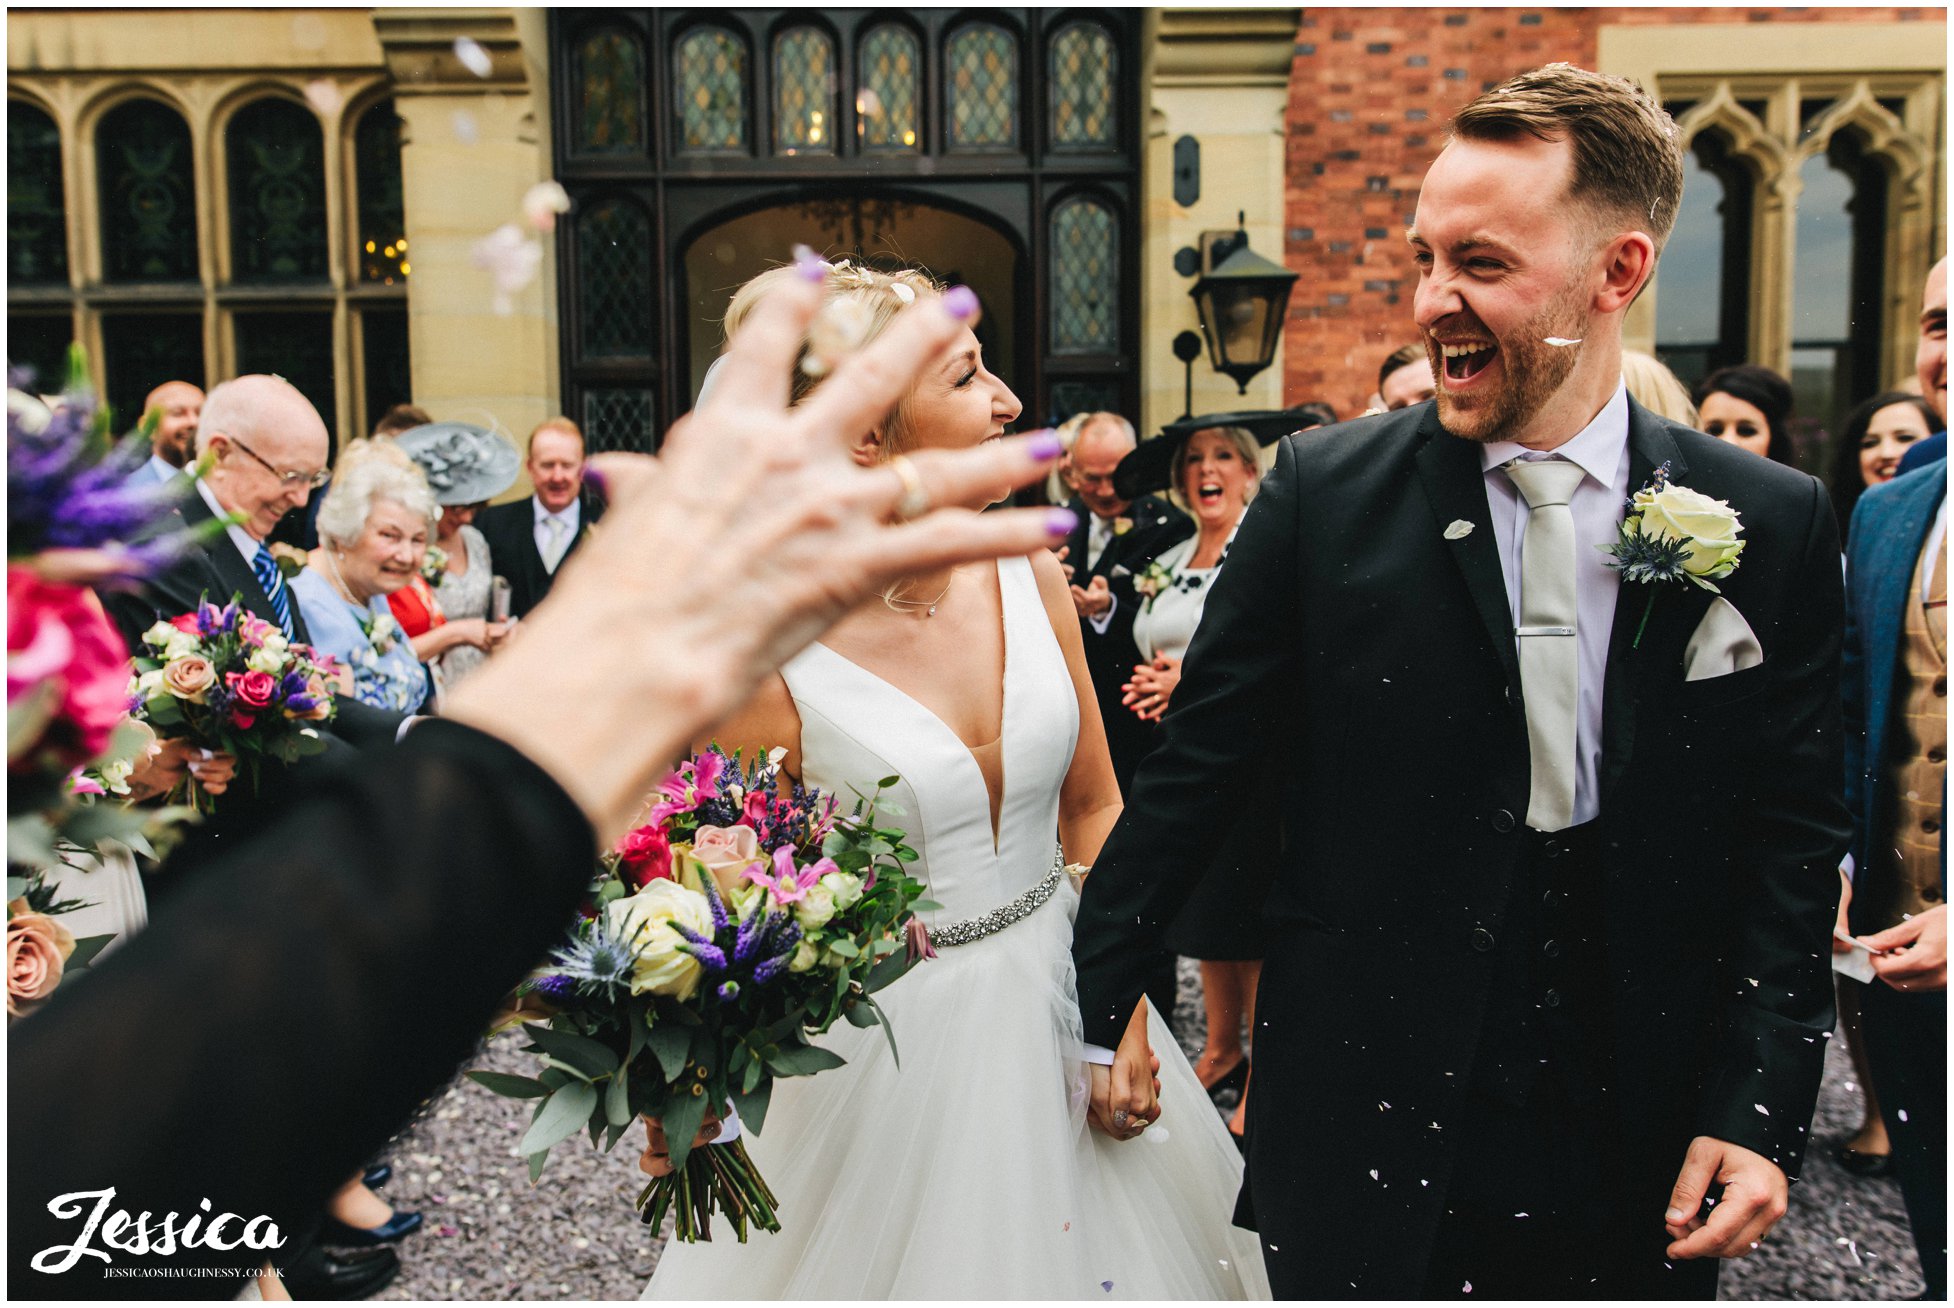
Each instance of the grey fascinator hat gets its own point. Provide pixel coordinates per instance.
(464, 464)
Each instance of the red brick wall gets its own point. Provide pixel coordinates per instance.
(1370, 92)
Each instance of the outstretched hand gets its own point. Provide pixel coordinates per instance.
(1755, 1196)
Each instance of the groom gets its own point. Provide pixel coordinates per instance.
(1559, 864)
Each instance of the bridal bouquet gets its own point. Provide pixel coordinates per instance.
(722, 934)
(225, 679)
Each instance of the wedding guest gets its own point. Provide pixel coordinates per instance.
(465, 467)
(173, 444)
(435, 876)
(398, 419)
(1215, 473)
(1748, 406)
(529, 539)
(1931, 366)
(373, 527)
(1405, 378)
(1876, 435)
(1651, 385)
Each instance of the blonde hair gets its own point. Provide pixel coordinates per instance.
(1655, 388)
(858, 304)
(1245, 445)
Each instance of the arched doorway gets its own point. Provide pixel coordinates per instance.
(879, 230)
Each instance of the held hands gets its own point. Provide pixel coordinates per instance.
(1152, 687)
(1755, 1195)
(657, 1158)
(1913, 955)
(1094, 599)
(1126, 1096)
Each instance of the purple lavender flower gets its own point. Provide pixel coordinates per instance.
(555, 989)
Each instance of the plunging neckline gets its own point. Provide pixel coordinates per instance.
(994, 801)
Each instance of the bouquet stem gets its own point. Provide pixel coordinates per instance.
(715, 1178)
(188, 792)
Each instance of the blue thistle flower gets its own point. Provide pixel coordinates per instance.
(1646, 559)
(597, 962)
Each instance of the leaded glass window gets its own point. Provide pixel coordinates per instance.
(141, 351)
(1085, 64)
(614, 270)
(148, 195)
(982, 80)
(803, 92)
(1085, 278)
(277, 178)
(383, 221)
(1082, 395)
(295, 345)
(889, 64)
(38, 342)
(610, 79)
(37, 227)
(384, 359)
(615, 418)
(711, 78)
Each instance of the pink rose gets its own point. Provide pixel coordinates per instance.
(189, 677)
(37, 948)
(186, 622)
(646, 856)
(253, 689)
(726, 852)
(58, 635)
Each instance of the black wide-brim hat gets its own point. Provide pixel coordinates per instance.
(1151, 465)
(464, 464)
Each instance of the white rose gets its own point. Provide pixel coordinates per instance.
(266, 660)
(816, 907)
(148, 683)
(276, 642)
(158, 636)
(179, 644)
(805, 957)
(646, 923)
(1710, 527)
(846, 888)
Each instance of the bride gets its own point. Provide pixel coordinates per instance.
(969, 1170)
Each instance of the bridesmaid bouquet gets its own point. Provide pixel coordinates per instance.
(721, 935)
(225, 679)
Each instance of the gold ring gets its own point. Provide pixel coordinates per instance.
(915, 501)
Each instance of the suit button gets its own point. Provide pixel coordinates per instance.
(1551, 949)
(1552, 898)
(1551, 999)
(1502, 821)
(1482, 940)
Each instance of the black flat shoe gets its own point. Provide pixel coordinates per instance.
(323, 1274)
(333, 1231)
(1863, 1165)
(376, 1176)
(1234, 1079)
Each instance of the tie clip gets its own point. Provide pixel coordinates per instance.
(1543, 631)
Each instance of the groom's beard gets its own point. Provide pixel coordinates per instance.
(1531, 371)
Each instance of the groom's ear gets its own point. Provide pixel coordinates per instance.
(1627, 262)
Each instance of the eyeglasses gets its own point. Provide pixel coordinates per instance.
(310, 480)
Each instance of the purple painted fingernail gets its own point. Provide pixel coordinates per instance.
(960, 302)
(594, 477)
(1046, 444)
(1061, 522)
(810, 265)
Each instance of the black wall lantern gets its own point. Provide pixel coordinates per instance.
(1242, 300)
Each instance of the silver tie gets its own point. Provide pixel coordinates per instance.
(1550, 659)
(556, 529)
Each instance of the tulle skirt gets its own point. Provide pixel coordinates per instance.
(969, 1172)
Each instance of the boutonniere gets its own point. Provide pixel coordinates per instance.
(1672, 533)
(290, 560)
(1122, 525)
(1154, 581)
(381, 632)
(434, 565)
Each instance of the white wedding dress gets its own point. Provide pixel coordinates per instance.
(969, 1172)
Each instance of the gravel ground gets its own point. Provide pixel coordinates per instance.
(489, 1235)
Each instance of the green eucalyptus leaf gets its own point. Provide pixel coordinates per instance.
(885, 972)
(669, 1044)
(510, 1086)
(563, 1115)
(752, 1105)
(682, 1118)
(804, 1060)
(86, 948)
(617, 1099)
(591, 1057)
(536, 1162)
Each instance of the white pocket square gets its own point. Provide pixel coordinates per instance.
(1723, 644)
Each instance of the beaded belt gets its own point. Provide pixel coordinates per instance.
(987, 924)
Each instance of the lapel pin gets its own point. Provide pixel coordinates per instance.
(1459, 530)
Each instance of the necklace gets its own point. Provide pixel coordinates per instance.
(928, 606)
(339, 582)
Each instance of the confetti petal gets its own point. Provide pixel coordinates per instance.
(475, 59)
(323, 94)
(465, 130)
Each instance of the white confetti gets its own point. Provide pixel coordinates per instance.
(323, 94)
(1903, 1114)
(1468, 1288)
(1562, 341)
(465, 129)
(1373, 1173)
(903, 293)
(511, 260)
(475, 59)
(1762, 1109)
(541, 204)
(1458, 530)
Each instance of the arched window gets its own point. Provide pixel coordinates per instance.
(888, 69)
(614, 269)
(148, 197)
(1703, 291)
(710, 74)
(277, 177)
(981, 83)
(1840, 251)
(609, 105)
(1084, 68)
(37, 215)
(803, 92)
(382, 216)
(1085, 278)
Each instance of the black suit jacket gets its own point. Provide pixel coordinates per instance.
(1345, 613)
(1111, 654)
(510, 530)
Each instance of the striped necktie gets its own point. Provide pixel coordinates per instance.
(274, 583)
